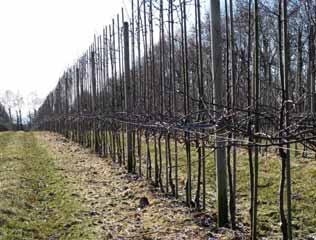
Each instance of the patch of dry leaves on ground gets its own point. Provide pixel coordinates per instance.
(113, 198)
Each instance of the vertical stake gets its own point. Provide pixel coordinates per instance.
(128, 102)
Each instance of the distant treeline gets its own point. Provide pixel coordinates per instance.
(5, 122)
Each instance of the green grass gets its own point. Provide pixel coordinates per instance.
(35, 202)
(303, 172)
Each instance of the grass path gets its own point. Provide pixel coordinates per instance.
(34, 201)
(113, 198)
(51, 188)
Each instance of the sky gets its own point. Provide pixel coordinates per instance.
(40, 38)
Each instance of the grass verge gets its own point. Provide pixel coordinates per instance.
(35, 202)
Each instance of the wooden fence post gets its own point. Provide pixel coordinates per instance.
(94, 101)
(220, 155)
(66, 106)
(128, 102)
(78, 103)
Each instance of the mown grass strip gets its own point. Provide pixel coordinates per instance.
(35, 202)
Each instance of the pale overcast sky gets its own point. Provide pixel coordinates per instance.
(39, 38)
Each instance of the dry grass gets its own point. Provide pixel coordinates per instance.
(54, 189)
(113, 196)
(303, 172)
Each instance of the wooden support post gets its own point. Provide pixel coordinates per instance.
(128, 102)
(220, 155)
(66, 106)
(94, 100)
(78, 103)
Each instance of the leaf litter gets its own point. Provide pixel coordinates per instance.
(125, 206)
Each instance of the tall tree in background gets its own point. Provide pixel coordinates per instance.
(8, 99)
(33, 103)
(5, 122)
(14, 101)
